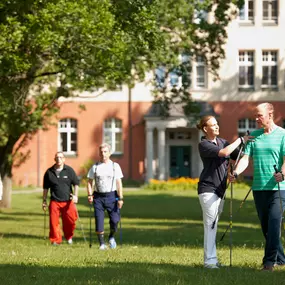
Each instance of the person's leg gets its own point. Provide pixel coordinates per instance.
(275, 253)
(114, 218)
(210, 204)
(55, 231)
(69, 217)
(99, 219)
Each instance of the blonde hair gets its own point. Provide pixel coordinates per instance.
(204, 122)
(105, 145)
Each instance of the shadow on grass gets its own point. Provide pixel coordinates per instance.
(134, 273)
(158, 219)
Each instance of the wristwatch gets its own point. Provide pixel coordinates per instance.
(120, 198)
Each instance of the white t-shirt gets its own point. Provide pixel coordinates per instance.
(105, 176)
(1, 189)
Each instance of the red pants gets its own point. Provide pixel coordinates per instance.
(68, 213)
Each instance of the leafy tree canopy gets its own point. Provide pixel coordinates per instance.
(84, 44)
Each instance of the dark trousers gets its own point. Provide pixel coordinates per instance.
(268, 208)
(108, 202)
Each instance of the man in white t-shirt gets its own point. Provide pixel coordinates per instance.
(106, 195)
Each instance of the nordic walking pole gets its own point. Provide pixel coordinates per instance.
(121, 234)
(77, 213)
(90, 228)
(81, 225)
(231, 218)
(280, 199)
(223, 198)
(240, 206)
(45, 223)
(236, 162)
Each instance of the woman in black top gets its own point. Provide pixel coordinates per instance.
(215, 154)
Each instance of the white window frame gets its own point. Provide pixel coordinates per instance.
(248, 126)
(270, 62)
(246, 12)
(112, 132)
(69, 128)
(247, 62)
(197, 63)
(271, 18)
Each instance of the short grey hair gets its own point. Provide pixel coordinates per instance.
(105, 145)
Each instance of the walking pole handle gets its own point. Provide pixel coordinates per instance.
(275, 168)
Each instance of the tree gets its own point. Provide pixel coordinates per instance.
(65, 45)
(51, 48)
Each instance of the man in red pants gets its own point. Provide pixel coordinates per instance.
(59, 179)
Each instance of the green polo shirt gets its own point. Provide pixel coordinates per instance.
(266, 151)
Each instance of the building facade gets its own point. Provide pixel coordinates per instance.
(149, 146)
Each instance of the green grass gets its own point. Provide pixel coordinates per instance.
(162, 236)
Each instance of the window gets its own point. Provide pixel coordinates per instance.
(67, 132)
(199, 73)
(269, 69)
(181, 77)
(113, 134)
(246, 69)
(270, 10)
(245, 125)
(246, 13)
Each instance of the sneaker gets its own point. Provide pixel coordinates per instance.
(70, 241)
(211, 266)
(112, 243)
(220, 264)
(55, 243)
(103, 247)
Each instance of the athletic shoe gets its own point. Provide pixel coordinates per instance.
(220, 264)
(211, 266)
(70, 241)
(103, 247)
(55, 243)
(112, 243)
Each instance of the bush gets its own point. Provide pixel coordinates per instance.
(84, 171)
(182, 183)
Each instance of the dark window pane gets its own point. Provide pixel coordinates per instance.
(63, 141)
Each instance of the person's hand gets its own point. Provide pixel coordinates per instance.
(232, 177)
(75, 199)
(279, 177)
(44, 205)
(90, 199)
(247, 138)
(120, 204)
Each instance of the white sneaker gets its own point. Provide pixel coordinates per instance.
(103, 247)
(211, 266)
(70, 241)
(112, 243)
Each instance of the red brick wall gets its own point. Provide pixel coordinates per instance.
(90, 129)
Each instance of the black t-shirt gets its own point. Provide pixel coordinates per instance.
(213, 178)
(60, 183)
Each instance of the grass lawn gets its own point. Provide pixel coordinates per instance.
(162, 243)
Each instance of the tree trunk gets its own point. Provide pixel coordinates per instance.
(7, 192)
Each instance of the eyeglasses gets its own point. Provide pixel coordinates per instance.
(61, 157)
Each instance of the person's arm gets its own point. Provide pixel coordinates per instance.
(75, 195)
(241, 166)
(89, 190)
(44, 205)
(120, 193)
(231, 147)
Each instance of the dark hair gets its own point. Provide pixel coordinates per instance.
(204, 122)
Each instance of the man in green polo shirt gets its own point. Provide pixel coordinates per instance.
(266, 150)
